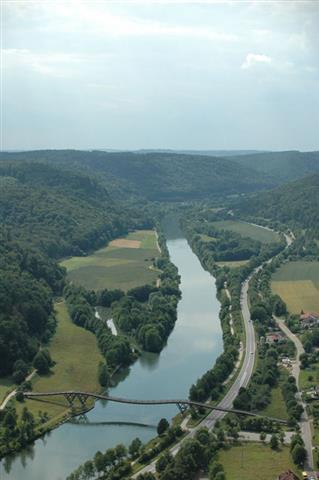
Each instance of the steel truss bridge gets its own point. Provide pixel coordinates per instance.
(182, 404)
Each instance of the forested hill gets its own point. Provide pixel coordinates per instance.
(157, 176)
(58, 211)
(281, 166)
(45, 212)
(295, 204)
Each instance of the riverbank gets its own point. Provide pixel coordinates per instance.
(243, 376)
(197, 331)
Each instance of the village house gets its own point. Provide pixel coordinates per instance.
(309, 319)
(286, 362)
(273, 337)
(313, 393)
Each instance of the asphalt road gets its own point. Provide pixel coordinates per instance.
(242, 379)
(247, 367)
(243, 376)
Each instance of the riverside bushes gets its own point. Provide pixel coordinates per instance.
(148, 313)
(115, 349)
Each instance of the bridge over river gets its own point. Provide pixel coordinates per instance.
(82, 397)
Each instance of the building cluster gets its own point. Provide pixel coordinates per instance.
(309, 319)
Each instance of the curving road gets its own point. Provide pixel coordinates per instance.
(242, 379)
(247, 367)
(243, 376)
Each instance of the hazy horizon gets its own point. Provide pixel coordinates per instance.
(129, 75)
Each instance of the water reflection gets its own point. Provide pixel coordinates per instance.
(150, 361)
(27, 454)
(84, 420)
(191, 349)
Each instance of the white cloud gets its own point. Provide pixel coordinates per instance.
(54, 64)
(255, 59)
(98, 19)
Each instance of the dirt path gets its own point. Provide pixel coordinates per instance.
(13, 393)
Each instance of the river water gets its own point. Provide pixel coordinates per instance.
(191, 349)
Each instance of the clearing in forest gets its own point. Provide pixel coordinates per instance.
(125, 263)
(247, 230)
(297, 283)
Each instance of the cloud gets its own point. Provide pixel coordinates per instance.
(255, 59)
(55, 64)
(99, 20)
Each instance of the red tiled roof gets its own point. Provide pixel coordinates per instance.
(306, 315)
(309, 314)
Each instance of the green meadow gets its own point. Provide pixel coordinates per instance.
(76, 356)
(277, 407)
(247, 230)
(252, 461)
(125, 263)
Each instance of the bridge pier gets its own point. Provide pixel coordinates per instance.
(182, 407)
(70, 397)
(83, 399)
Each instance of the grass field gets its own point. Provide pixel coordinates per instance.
(277, 406)
(125, 263)
(77, 357)
(297, 283)
(246, 230)
(253, 461)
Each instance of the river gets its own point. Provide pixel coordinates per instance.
(191, 349)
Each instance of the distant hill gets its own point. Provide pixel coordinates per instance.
(281, 166)
(210, 153)
(156, 176)
(295, 204)
(60, 212)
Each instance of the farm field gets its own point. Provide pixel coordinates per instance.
(242, 462)
(297, 283)
(77, 357)
(125, 263)
(247, 230)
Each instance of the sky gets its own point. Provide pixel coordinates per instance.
(160, 74)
